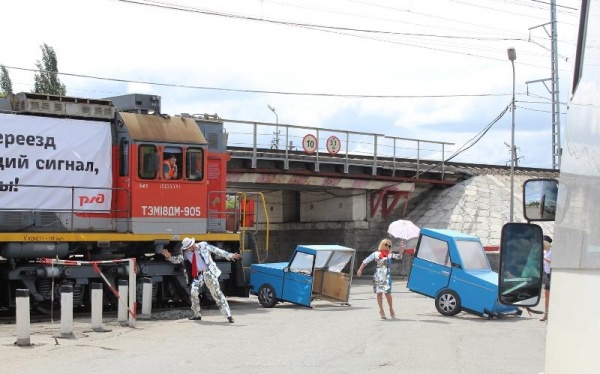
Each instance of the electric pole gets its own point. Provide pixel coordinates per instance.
(553, 89)
(556, 149)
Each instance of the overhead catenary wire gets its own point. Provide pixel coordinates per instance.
(348, 31)
(289, 23)
(477, 137)
(537, 110)
(485, 29)
(175, 85)
(478, 5)
(474, 140)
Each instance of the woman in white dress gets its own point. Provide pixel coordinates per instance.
(382, 278)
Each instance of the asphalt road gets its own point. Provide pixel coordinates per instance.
(290, 339)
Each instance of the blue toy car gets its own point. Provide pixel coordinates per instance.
(453, 268)
(314, 272)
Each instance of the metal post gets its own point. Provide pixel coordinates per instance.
(122, 309)
(556, 147)
(418, 158)
(317, 153)
(132, 301)
(66, 311)
(276, 139)
(254, 146)
(346, 165)
(97, 301)
(23, 318)
(394, 159)
(374, 167)
(443, 161)
(146, 298)
(286, 163)
(512, 56)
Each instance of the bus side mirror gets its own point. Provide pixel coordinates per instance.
(520, 272)
(539, 199)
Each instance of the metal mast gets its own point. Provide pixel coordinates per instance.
(556, 148)
(554, 90)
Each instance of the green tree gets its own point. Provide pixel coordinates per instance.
(5, 83)
(46, 81)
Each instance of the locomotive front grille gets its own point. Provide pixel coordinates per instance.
(213, 140)
(62, 105)
(19, 105)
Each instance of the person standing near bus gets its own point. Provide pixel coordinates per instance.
(547, 271)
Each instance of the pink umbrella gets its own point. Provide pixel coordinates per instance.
(403, 229)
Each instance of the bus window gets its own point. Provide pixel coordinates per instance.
(147, 161)
(194, 169)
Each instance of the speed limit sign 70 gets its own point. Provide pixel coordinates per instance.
(309, 143)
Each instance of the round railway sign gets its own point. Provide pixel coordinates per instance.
(309, 143)
(333, 145)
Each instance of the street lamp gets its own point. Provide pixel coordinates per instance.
(512, 56)
(276, 141)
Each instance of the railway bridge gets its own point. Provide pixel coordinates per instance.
(326, 186)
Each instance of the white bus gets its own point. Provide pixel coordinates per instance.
(573, 336)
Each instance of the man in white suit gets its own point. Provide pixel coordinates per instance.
(204, 271)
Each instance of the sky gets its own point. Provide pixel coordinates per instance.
(435, 70)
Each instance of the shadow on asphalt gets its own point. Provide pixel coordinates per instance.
(434, 321)
(399, 320)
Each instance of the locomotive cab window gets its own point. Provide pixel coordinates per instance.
(147, 161)
(123, 157)
(194, 164)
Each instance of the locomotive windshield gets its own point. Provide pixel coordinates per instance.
(148, 161)
(194, 169)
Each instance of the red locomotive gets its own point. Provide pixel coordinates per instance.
(91, 179)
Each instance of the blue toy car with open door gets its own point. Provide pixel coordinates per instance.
(453, 269)
(314, 272)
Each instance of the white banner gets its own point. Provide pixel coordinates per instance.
(54, 163)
